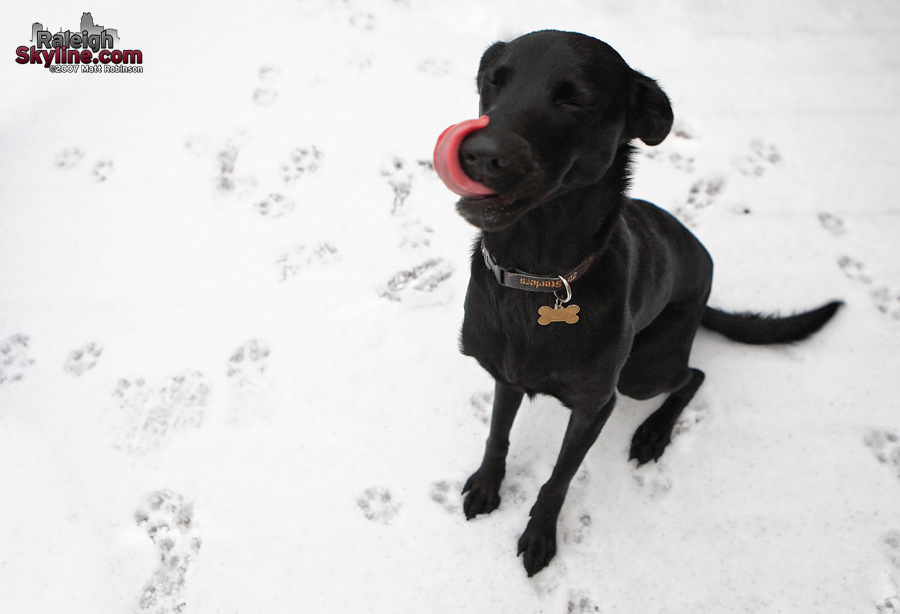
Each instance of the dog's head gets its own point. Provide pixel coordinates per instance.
(561, 105)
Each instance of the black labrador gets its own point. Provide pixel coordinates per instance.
(577, 290)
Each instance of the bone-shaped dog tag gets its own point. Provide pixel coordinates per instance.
(568, 314)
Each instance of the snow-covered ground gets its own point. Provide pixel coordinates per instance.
(230, 292)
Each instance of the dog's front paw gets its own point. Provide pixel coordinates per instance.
(538, 545)
(650, 441)
(482, 492)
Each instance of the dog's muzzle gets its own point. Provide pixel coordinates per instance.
(447, 164)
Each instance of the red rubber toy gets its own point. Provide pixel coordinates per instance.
(446, 159)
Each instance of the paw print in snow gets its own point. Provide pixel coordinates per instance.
(695, 413)
(168, 520)
(482, 404)
(69, 158)
(762, 155)
(269, 73)
(678, 160)
(832, 223)
(415, 234)
(424, 278)
(83, 359)
(653, 478)
(581, 530)
(14, 358)
(703, 194)
(854, 269)
(683, 130)
(274, 206)
(249, 361)
(887, 301)
(146, 418)
(265, 95)
(299, 257)
(300, 162)
(227, 180)
(885, 445)
(400, 176)
(892, 547)
(581, 603)
(249, 394)
(515, 491)
(226, 160)
(72, 157)
(102, 170)
(378, 505)
(363, 21)
(682, 162)
(435, 67)
(447, 495)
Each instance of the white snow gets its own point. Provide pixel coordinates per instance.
(230, 296)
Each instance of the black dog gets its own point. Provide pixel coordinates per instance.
(560, 231)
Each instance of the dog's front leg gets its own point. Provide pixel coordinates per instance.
(483, 487)
(538, 542)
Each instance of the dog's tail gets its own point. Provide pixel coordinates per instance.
(761, 329)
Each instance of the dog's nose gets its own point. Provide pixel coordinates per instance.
(482, 158)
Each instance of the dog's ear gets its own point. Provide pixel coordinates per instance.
(649, 112)
(491, 55)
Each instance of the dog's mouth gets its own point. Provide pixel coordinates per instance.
(490, 212)
(479, 204)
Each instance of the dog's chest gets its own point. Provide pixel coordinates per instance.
(501, 330)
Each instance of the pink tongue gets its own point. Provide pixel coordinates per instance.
(446, 159)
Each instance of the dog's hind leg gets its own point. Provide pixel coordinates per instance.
(538, 542)
(651, 438)
(482, 490)
(658, 364)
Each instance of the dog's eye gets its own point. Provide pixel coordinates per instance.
(567, 95)
(496, 78)
(574, 104)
